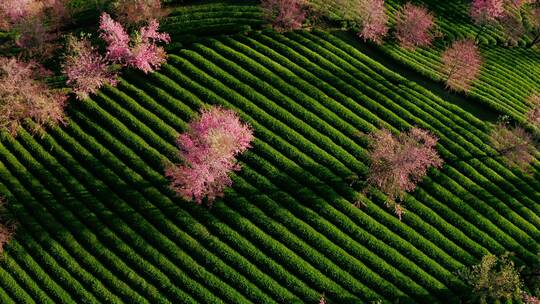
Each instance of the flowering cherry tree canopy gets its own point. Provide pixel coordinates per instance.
(86, 69)
(23, 95)
(146, 55)
(415, 26)
(116, 37)
(142, 52)
(13, 11)
(461, 65)
(486, 11)
(284, 15)
(373, 19)
(398, 163)
(209, 148)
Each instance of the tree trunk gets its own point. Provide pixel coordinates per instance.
(535, 40)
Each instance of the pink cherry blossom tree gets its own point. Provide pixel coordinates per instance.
(415, 26)
(484, 12)
(25, 95)
(461, 65)
(146, 55)
(514, 144)
(150, 33)
(373, 20)
(284, 15)
(117, 39)
(209, 149)
(14, 11)
(398, 163)
(142, 52)
(85, 68)
(55, 12)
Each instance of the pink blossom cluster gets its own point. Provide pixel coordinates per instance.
(486, 11)
(86, 69)
(414, 26)
(461, 65)
(374, 20)
(209, 148)
(13, 11)
(397, 164)
(24, 95)
(285, 15)
(528, 299)
(142, 53)
(146, 55)
(17, 10)
(116, 37)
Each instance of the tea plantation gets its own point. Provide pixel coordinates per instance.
(99, 224)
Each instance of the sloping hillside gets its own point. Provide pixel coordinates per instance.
(509, 74)
(99, 224)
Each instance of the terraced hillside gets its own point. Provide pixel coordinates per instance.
(207, 19)
(509, 74)
(99, 224)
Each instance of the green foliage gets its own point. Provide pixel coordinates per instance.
(494, 279)
(188, 23)
(102, 226)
